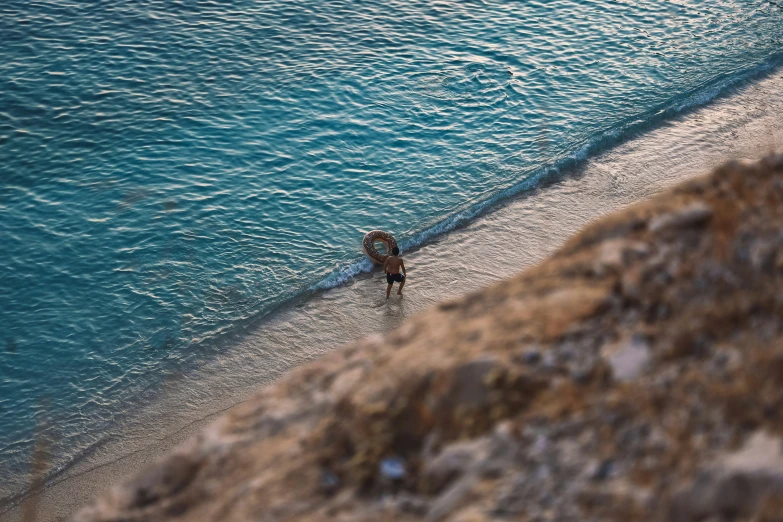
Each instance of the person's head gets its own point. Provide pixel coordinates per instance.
(395, 251)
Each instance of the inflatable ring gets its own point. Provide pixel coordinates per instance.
(368, 244)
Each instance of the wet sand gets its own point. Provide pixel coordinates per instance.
(742, 124)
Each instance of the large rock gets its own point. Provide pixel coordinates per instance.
(740, 484)
(626, 378)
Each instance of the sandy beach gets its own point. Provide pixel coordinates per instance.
(744, 123)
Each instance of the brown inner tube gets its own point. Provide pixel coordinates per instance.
(368, 243)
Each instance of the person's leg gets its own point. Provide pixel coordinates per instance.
(402, 283)
(388, 290)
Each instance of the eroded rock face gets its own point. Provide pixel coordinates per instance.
(635, 375)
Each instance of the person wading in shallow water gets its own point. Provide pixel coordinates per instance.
(392, 268)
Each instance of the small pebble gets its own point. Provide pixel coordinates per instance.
(603, 470)
(541, 444)
(630, 360)
(329, 481)
(392, 468)
(582, 374)
(531, 357)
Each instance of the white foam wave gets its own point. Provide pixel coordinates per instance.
(342, 275)
(707, 94)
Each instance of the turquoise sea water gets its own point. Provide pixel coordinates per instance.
(172, 171)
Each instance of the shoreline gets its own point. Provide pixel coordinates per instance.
(517, 234)
(612, 138)
(629, 376)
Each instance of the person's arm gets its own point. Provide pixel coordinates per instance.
(402, 265)
(384, 265)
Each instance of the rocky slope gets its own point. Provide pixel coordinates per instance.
(635, 375)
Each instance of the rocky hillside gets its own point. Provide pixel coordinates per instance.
(635, 375)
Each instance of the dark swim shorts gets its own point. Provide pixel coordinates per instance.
(391, 278)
